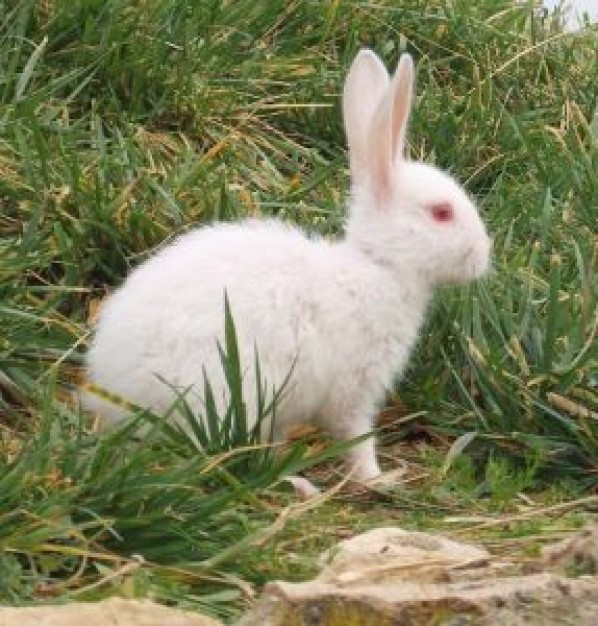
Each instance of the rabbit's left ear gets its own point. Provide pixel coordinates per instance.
(365, 87)
(389, 127)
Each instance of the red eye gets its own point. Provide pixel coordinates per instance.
(442, 212)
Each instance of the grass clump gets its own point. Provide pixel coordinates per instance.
(123, 124)
(151, 507)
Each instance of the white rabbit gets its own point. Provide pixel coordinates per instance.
(343, 315)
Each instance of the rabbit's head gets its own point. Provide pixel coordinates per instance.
(406, 214)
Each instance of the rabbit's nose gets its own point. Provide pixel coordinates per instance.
(478, 259)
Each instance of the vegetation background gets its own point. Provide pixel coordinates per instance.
(124, 123)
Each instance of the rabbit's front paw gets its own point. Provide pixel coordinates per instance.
(303, 488)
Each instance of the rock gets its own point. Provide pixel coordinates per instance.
(573, 12)
(112, 612)
(393, 555)
(392, 577)
(578, 554)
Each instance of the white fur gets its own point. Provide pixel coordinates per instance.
(344, 315)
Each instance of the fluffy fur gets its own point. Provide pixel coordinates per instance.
(344, 315)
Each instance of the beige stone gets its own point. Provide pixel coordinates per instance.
(112, 612)
(390, 577)
(393, 554)
(578, 554)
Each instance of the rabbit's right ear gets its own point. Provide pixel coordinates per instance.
(365, 87)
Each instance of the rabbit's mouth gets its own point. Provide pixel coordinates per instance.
(471, 265)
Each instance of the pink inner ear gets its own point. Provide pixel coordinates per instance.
(442, 212)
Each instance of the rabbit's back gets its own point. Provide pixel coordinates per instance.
(166, 320)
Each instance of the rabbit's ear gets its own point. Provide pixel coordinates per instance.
(389, 124)
(365, 86)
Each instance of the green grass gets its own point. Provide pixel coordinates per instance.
(125, 123)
